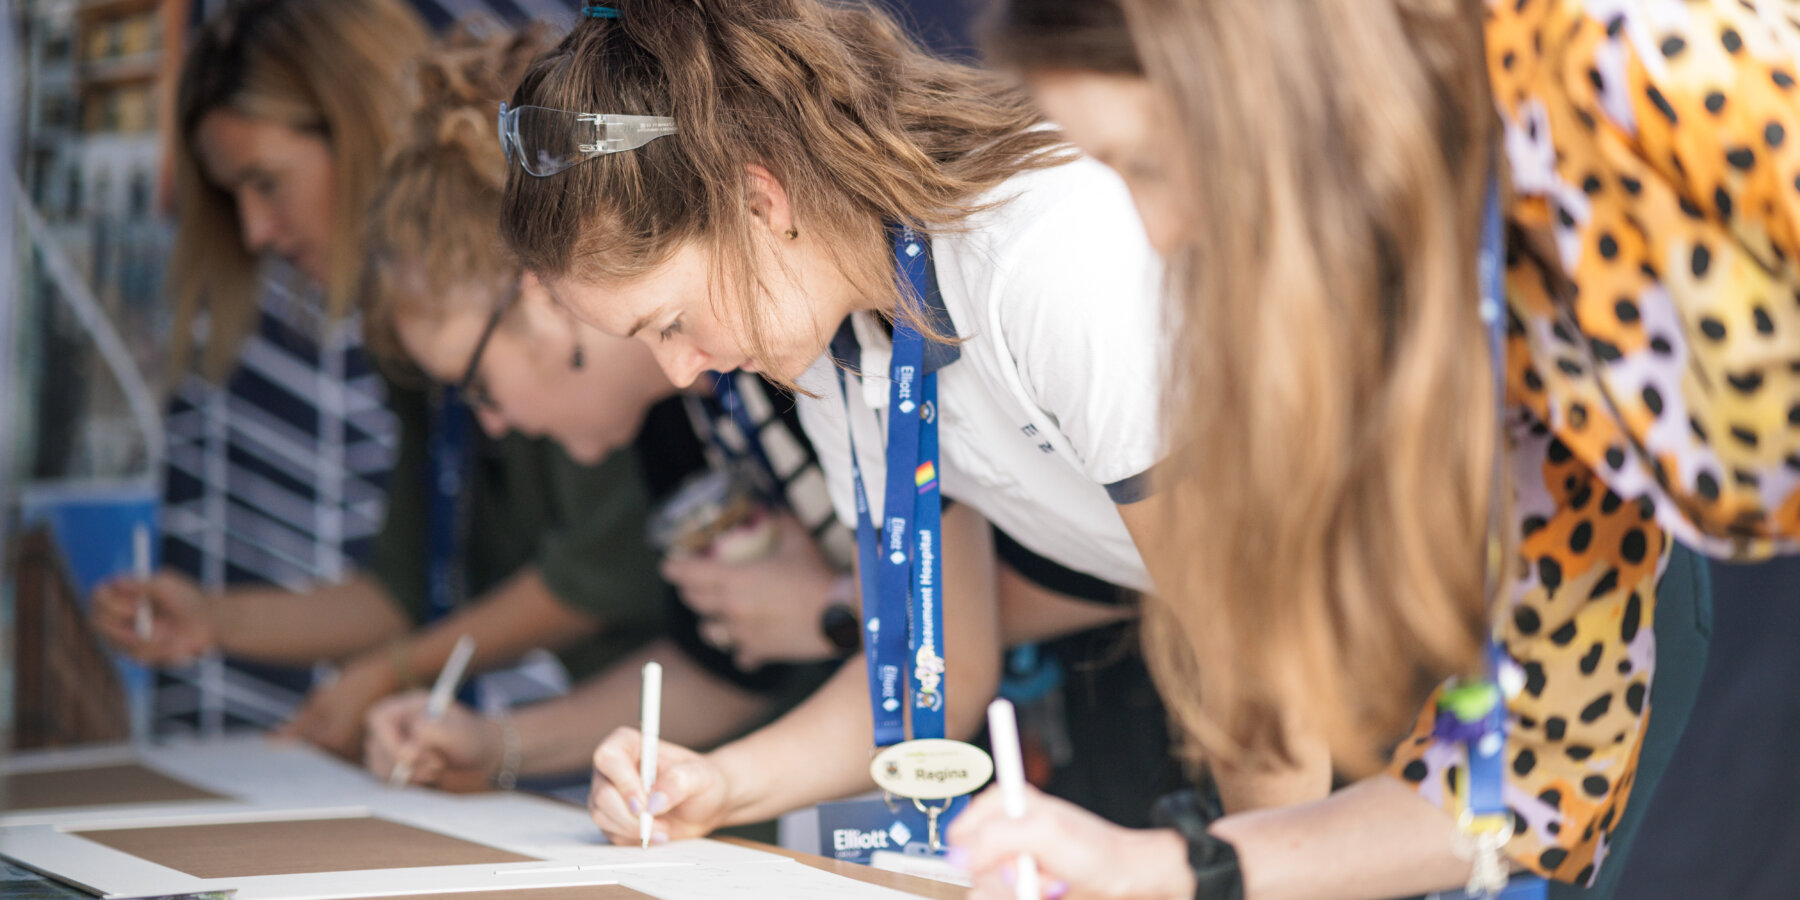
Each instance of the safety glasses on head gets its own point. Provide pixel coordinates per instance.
(546, 141)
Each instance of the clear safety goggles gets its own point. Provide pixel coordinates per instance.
(546, 141)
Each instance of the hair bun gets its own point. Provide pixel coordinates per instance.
(460, 85)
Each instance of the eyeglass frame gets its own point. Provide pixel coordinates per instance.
(465, 386)
(638, 131)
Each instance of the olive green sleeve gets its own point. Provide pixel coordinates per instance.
(595, 557)
(397, 560)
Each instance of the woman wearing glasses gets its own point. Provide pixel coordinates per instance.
(821, 169)
(446, 297)
(508, 538)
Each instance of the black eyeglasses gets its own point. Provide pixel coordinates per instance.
(476, 395)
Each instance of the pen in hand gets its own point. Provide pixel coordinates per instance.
(652, 725)
(1009, 770)
(442, 693)
(140, 567)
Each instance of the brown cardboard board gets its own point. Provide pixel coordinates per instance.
(96, 786)
(297, 847)
(585, 892)
(66, 690)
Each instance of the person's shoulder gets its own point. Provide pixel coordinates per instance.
(1076, 215)
(1078, 191)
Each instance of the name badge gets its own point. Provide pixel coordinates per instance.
(931, 769)
(855, 830)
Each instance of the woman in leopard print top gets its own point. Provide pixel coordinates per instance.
(1652, 205)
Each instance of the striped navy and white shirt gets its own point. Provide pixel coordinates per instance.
(274, 477)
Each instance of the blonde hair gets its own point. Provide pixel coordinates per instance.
(858, 123)
(433, 224)
(1322, 557)
(326, 67)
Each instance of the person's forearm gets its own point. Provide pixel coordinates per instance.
(699, 710)
(331, 622)
(1308, 778)
(820, 750)
(1376, 838)
(519, 615)
(1031, 613)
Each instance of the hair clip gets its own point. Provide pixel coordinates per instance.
(599, 12)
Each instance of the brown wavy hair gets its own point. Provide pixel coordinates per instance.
(433, 224)
(1322, 560)
(859, 124)
(328, 67)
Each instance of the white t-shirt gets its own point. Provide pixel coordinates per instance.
(1048, 408)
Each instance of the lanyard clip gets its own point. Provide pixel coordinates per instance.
(933, 839)
(1480, 839)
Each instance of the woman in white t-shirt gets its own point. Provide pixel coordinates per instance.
(741, 219)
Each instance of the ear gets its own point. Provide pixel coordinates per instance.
(547, 318)
(535, 305)
(769, 200)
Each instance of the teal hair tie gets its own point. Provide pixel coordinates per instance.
(599, 12)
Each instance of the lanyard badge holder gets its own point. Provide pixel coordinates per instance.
(900, 559)
(1473, 713)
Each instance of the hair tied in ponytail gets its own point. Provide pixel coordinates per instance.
(599, 12)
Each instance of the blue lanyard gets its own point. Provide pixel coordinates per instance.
(1487, 776)
(447, 471)
(903, 614)
(1485, 741)
(731, 400)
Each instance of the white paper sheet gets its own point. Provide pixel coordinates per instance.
(783, 878)
(273, 780)
(253, 772)
(541, 828)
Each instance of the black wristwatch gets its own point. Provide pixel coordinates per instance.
(839, 623)
(1217, 874)
(841, 628)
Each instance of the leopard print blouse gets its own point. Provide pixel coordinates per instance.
(1653, 367)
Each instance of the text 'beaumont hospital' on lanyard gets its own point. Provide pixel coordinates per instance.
(903, 616)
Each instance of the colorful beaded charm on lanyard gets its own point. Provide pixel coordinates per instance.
(1473, 713)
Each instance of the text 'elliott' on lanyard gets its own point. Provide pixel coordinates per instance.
(900, 556)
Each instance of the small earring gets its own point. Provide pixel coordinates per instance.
(793, 234)
(579, 359)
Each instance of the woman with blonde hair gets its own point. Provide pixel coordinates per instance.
(1620, 232)
(278, 440)
(284, 113)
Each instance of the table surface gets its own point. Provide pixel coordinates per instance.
(26, 885)
(909, 884)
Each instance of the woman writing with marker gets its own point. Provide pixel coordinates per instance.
(1618, 236)
(446, 302)
(810, 197)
